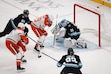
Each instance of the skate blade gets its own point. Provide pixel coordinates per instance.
(39, 56)
(23, 62)
(36, 51)
(19, 71)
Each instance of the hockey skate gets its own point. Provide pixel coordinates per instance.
(41, 46)
(24, 61)
(36, 49)
(20, 69)
(39, 56)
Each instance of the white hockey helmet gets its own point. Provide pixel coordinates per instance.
(21, 25)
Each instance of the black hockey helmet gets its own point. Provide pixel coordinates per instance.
(26, 12)
(70, 51)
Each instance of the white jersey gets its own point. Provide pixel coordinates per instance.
(15, 35)
(39, 22)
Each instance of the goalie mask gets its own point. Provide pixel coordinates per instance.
(48, 20)
(63, 23)
(70, 51)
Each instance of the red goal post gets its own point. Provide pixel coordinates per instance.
(94, 12)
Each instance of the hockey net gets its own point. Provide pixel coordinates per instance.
(92, 24)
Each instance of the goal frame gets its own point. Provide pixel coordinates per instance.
(94, 12)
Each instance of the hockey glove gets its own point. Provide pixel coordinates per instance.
(59, 65)
(26, 30)
(24, 39)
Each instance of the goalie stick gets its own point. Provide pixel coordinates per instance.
(54, 41)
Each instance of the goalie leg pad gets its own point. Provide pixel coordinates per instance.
(68, 43)
(81, 44)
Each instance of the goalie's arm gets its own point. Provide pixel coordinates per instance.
(74, 33)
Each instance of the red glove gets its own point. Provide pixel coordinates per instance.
(24, 39)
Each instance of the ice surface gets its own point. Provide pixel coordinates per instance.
(95, 60)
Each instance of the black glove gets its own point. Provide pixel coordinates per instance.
(26, 30)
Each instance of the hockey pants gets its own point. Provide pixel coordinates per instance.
(68, 70)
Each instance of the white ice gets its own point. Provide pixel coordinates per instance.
(95, 61)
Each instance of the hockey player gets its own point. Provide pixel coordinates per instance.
(16, 42)
(71, 62)
(38, 27)
(70, 32)
(13, 23)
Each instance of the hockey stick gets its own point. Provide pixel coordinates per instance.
(42, 52)
(31, 39)
(49, 56)
(45, 53)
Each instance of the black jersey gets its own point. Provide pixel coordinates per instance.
(70, 28)
(70, 59)
(10, 26)
(21, 18)
(72, 64)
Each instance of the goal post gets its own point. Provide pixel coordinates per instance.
(92, 24)
(91, 11)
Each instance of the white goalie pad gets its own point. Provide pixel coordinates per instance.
(71, 43)
(80, 44)
(68, 43)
